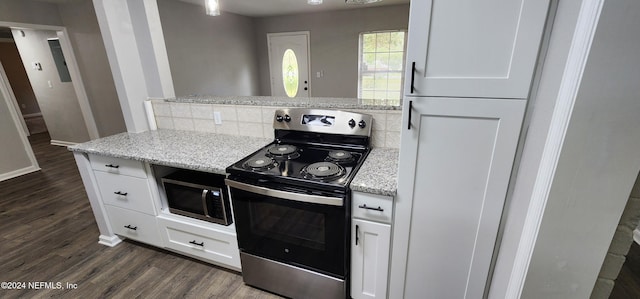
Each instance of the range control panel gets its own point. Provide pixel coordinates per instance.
(323, 121)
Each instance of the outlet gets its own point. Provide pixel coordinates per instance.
(49, 83)
(217, 118)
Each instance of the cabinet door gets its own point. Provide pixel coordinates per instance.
(369, 259)
(455, 165)
(470, 48)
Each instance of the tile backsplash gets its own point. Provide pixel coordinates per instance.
(257, 121)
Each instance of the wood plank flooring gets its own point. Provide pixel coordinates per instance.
(48, 234)
(628, 282)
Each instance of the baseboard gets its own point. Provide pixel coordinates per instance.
(109, 241)
(636, 236)
(62, 143)
(17, 173)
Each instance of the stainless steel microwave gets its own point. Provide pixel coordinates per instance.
(198, 195)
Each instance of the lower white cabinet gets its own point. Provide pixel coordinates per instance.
(370, 245)
(211, 242)
(369, 258)
(134, 225)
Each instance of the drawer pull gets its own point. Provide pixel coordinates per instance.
(112, 166)
(131, 227)
(196, 243)
(380, 209)
(120, 193)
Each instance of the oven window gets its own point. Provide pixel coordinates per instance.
(292, 226)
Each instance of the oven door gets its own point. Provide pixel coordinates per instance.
(299, 229)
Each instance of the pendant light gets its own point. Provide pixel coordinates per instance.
(314, 2)
(212, 7)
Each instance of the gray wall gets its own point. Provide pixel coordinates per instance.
(84, 33)
(58, 103)
(209, 55)
(334, 44)
(228, 55)
(27, 11)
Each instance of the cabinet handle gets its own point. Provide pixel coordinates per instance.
(409, 121)
(112, 166)
(131, 227)
(196, 243)
(357, 233)
(379, 208)
(413, 75)
(120, 193)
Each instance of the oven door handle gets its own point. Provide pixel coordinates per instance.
(324, 200)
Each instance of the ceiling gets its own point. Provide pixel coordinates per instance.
(263, 8)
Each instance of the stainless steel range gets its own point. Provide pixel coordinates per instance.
(291, 203)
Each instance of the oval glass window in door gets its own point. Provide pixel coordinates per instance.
(290, 73)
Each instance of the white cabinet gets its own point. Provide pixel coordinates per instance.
(210, 242)
(127, 198)
(455, 164)
(370, 245)
(470, 48)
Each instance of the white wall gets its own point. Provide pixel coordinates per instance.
(334, 42)
(80, 20)
(598, 164)
(15, 156)
(209, 55)
(57, 100)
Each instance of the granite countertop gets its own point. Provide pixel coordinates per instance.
(215, 152)
(379, 173)
(182, 149)
(310, 102)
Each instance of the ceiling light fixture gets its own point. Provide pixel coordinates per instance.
(361, 1)
(212, 7)
(314, 2)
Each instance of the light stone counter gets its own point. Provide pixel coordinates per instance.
(311, 102)
(379, 173)
(182, 149)
(215, 152)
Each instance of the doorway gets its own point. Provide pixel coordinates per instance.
(289, 64)
(27, 105)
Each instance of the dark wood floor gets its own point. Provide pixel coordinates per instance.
(48, 234)
(628, 283)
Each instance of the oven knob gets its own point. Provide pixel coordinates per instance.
(287, 118)
(362, 124)
(279, 118)
(352, 123)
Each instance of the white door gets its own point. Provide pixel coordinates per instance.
(289, 64)
(468, 48)
(455, 162)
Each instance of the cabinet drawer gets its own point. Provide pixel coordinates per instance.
(118, 166)
(133, 225)
(125, 192)
(372, 207)
(217, 246)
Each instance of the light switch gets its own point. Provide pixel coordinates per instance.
(49, 83)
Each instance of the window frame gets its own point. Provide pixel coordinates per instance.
(361, 53)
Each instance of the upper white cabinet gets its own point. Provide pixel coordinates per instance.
(472, 48)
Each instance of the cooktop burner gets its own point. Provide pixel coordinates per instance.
(323, 170)
(285, 151)
(258, 163)
(339, 156)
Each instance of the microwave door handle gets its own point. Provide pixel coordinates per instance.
(204, 202)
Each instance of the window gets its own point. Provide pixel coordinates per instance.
(381, 67)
